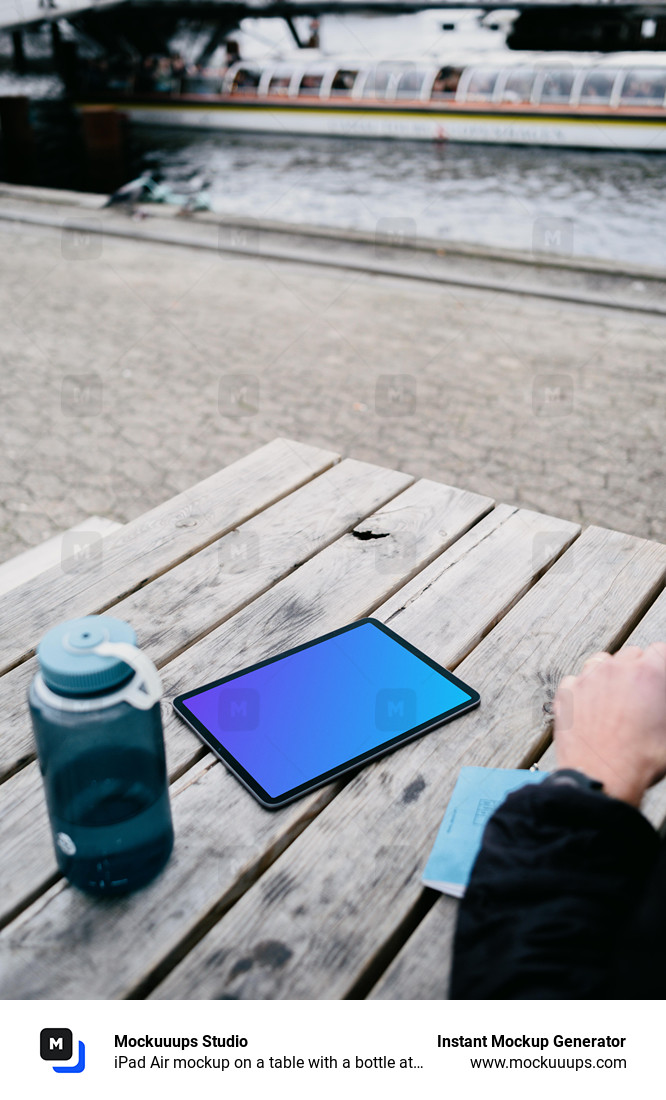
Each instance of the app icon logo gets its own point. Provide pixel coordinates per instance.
(56, 1045)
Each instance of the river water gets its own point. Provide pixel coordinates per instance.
(608, 205)
(588, 204)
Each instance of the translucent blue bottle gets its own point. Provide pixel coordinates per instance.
(95, 706)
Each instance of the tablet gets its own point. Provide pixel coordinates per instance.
(295, 721)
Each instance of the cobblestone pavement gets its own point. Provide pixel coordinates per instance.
(130, 370)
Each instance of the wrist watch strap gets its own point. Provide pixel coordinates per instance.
(570, 777)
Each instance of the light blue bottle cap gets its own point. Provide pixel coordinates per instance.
(67, 664)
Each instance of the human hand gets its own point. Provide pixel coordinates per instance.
(610, 720)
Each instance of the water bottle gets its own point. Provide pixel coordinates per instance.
(95, 707)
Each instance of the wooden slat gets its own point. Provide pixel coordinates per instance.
(37, 559)
(651, 628)
(430, 946)
(27, 861)
(17, 746)
(342, 583)
(224, 837)
(338, 896)
(444, 610)
(189, 600)
(154, 542)
(421, 970)
(179, 606)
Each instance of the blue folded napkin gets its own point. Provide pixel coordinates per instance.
(476, 795)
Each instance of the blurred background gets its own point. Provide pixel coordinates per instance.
(486, 193)
(429, 237)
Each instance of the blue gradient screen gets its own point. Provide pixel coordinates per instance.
(313, 711)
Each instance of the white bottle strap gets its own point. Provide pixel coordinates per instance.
(144, 691)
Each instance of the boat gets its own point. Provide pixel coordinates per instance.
(593, 101)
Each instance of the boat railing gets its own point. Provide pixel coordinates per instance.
(597, 86)
(587, 87)
(563, 84)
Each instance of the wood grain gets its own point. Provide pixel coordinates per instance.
(421, 968)
(343, 582)
(186, 602)
(179, 605)
(154, 542)
(429, 951)
(444, 611)
(27, 861)
(336, 898)
(30, 563)
(66, 943)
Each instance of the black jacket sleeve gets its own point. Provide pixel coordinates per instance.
(639, 967)
(554, 887)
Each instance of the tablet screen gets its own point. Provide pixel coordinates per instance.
(297, 720)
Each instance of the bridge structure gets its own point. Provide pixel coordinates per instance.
(147, 26)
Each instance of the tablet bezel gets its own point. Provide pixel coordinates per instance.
(274, 802)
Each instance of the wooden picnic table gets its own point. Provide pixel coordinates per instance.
(323, 898)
